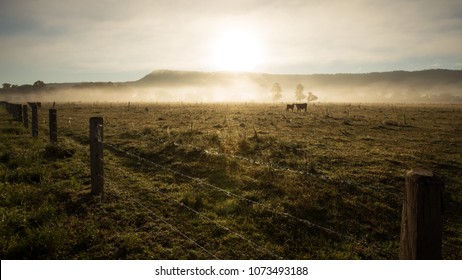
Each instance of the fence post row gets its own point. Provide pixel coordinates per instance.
(421, 223)
(53, 124)
(14, 110)
(20, 113)
(96, 155)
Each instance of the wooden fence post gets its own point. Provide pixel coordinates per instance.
(18, 112)
(10, 109)
(53, 123)
(96, 155)
(25, 116)
(34, 120)
(421, 223)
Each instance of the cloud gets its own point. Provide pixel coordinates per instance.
(78, 37)
(361, 32)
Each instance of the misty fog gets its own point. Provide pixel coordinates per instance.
(431, 86)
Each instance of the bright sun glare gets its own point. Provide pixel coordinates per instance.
(236, 50)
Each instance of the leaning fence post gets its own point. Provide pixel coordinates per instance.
(96, 155)
(53, 123)
(34, 120)
(421, 223)
(25, 117)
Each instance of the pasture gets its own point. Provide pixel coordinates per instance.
(226, 181)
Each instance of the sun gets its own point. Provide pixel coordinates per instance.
(236, 50)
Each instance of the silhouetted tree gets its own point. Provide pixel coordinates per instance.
(277, 92)
(6, 86)
(299, 95)
(38, 85)
(311, 97)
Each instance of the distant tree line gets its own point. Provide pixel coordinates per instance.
(9, 88)
(40, 86)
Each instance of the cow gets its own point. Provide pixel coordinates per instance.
(290, 107)
(301, 106)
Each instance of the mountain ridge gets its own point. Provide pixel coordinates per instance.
(163, 77)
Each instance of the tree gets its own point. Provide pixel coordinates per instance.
(276, 90)
(311, 97)
(38, 85)
(299, 95)
(6, 86)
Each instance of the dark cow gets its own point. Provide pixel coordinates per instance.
(301, 106)
(290, 107)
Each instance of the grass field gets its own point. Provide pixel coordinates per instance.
(226, 181)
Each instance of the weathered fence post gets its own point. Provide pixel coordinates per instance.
(25, 116)
(96, 155)
(34, 120)
(18, 112)
(421, 223)
(53, 123)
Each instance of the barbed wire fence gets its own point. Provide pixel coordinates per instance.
(115, 148)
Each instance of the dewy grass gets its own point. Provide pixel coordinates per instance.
(230, 181)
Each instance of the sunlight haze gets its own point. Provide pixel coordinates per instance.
(237, 50)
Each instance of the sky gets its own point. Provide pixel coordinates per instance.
(112, 40)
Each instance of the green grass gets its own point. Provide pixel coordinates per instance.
(231, 181)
